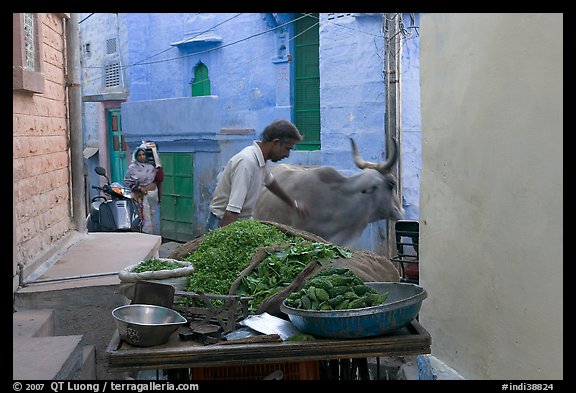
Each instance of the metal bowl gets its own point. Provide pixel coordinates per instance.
(398, 310)
(145, 325)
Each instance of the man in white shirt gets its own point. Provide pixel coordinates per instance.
(241, 181)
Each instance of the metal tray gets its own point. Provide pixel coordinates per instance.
(400, 308)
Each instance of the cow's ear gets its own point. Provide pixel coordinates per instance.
(369, 190)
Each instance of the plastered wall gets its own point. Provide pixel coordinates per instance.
(491, 193)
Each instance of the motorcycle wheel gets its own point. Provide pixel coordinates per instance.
(90, 226)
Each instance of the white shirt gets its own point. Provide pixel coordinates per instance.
(241, 183)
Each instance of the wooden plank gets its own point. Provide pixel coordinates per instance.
(411, 340)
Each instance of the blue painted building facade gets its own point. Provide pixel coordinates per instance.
(250, 67)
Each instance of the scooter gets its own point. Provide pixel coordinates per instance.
(119, 212)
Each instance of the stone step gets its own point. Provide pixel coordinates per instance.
(63, 321)
(33, 339)
(47, 358)
(88, 371)
(33, 323)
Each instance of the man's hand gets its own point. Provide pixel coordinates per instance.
(228, 218)
(301, 208)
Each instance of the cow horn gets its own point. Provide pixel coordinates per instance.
(381, 167)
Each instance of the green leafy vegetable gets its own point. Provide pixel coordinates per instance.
(279, 269)
(226, 251)
(335, 289)
(155, 264)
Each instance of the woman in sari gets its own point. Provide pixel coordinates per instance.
(142, 174)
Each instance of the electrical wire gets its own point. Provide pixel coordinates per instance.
(199, 34)
(195, 53)
(403, 29)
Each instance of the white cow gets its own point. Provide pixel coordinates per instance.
(340, 207)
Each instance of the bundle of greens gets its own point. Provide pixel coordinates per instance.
(155, 264)
(254, 260)
(226, 251)
(281, 267)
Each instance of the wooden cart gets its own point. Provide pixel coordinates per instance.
(178, 354)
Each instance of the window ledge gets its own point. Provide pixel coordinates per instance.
(204, 38)
(27, 80)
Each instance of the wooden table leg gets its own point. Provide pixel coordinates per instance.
(362, 369)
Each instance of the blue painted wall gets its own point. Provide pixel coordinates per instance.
(352, 95)
(251, 85)
(242, 74)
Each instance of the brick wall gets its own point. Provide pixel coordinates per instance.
(41, 162)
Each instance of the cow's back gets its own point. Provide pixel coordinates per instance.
(317, 187)
(271, 208)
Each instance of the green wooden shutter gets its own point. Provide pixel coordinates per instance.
(117, 146)
(201, 83)
(307, 81)
(177, 206)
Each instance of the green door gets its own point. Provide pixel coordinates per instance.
(117, 146)
(307, 81)
(177, 207)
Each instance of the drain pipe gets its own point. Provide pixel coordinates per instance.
(75, 121)
(26, 283)
(392, 62)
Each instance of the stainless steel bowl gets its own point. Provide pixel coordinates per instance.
(398, 310)
(145, 325)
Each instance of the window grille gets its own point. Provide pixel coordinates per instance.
(27, 75)
(112, 74)
(336, 16)
(30, 41)
(111, 46)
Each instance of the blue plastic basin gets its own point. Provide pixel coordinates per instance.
(398, 310)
